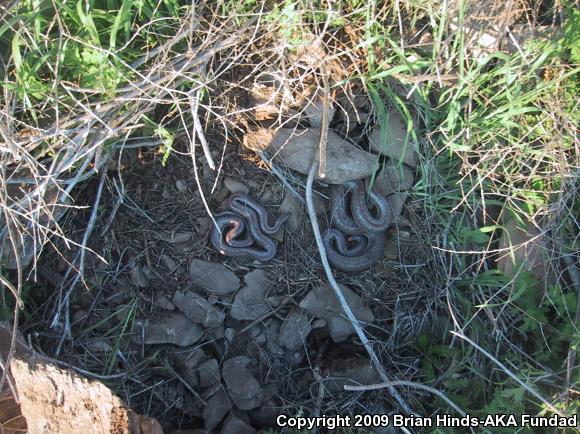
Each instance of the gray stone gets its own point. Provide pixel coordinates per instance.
(163, 302)
(209, 373)
(235, 186)
(297, 148)
(198, 309)
(350, 371)
(213, 277)
(293, 207)
(250, 301)
(295, 329)
(394, 145)
(272, 334)
(173, 328)
(322, 302)
(235, 425)
(394, 178)
(243, 389)
(216, 409)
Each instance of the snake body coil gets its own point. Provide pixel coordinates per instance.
(357, 239)
(244, 229)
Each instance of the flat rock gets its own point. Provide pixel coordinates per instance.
(351, 371)
(235, 186)
(213, 277)
(197, 309)
(218, 406)
(293, 207)
(173, 328)
(209, 373)
(235, 425)
(394, 178)
(297, 148)
(250, 301)
(392, 144)
(243, 389)
(321, 302)
(295, 329)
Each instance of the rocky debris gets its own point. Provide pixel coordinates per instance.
(197, 309)
(352, 371)
(397, 201)
(272, 336)
(393, 145)
(137, 273)
(99, 347)
(187, 362)
(292, 206)
(295, 329)
(218, 406)
(213, 277)
(209, 373)
(321, 302)
(243, 389)
(296, 149)
(235, 186)
(173, 328)
(235, 425)
(394, 178)
(250, 301)
(163, 302)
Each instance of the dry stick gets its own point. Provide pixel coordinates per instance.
(199, 130)
(510, 373)
(347, 310)
(325, 122)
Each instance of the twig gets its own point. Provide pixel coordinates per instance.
(199, 130)
(324, 124)
(510, 373)
(347, 310)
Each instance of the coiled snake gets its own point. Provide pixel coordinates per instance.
(357, 239)
(244, 229)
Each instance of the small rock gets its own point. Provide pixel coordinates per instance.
(197, 309)
(216, 409)
(293, 207)
(213, 277)
(394, 145)
(266, 197)
(250, 301)
(318, 324)
(173, 328)
(181, 237)
(163, 302)
(321, 302)
(181, 186)
(234, 425)
(229, 334)
(242, 387)
(350, 371)
(297, 148)
(138, 276)
(397, 201)
(272, 335)
(99, 347)
(295, 329)
(209, 373)
(235, 186)
(394, 178)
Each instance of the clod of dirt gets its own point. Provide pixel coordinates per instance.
(394, 178)
(197, 309)
(216, 409)
(235, 186)
(321, 302)
(295, 329)
(213, 277)
(393, 145)
(250, 301)
(235, 425)
(242, 387)
(209, 373)
(173, 328)
(297, 148)
(352, 371)
(293, 207)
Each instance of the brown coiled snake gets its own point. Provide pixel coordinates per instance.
(244, 229)
(358, 238)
